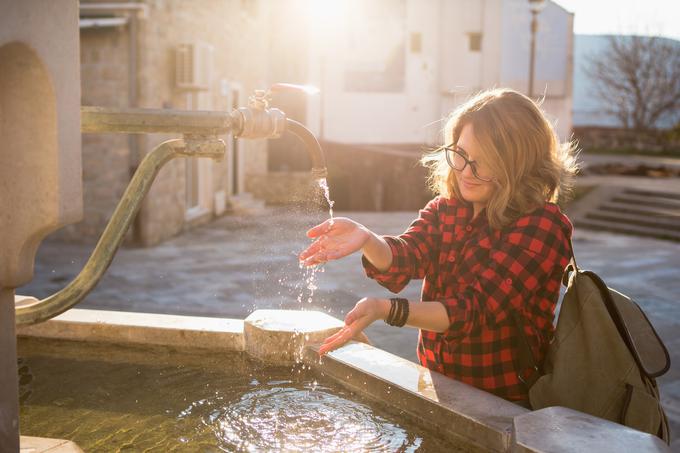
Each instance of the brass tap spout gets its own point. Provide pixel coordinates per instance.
(200, 130)
(31, 311)
(319, 169)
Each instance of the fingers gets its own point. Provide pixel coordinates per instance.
(310, 251)
(335, 341)
(345, 334)
(320, 229)
(318, 258)
(321, 251)
(336, 335)
(352, 316)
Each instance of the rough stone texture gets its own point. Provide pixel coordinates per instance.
(44, 445)
(278, 188)
(280, 336)
(240, 48)
(106, 157)
(461, 413)
(40, 161)
(141, 328)
(562, 430)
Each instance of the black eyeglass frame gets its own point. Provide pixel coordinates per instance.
(461, 152)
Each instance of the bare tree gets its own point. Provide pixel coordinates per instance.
(638, 79)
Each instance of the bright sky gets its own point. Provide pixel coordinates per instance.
(644, 17)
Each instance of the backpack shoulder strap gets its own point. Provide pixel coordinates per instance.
(571, 266)
(525, 356)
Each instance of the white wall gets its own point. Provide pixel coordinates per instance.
(554, 58)
(441, 75)
(392, 116)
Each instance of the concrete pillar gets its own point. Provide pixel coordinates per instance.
(9, 401)
(40, 162)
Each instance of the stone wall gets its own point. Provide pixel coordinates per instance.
(236, 30)
(376, 178)
(105, 157)
(605, 138)
(297, 188)
(360, 178)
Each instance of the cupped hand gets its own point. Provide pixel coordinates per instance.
(334, 239)
(364, 313)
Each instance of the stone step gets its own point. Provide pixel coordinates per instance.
(635, 230)
(627, 218)
(639, 209)
(640, 212)
(646, 200)
(653, 193)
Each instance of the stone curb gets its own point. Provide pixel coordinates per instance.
(459, 412)
(31, 444)
(141, 328)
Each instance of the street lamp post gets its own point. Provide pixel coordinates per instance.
(535, 6)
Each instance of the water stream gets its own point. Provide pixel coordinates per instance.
(327, 193)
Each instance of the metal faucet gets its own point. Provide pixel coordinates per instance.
(200, 131)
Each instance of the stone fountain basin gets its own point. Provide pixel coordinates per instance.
(458, 412)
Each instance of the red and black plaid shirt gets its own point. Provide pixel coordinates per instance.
(480, 275)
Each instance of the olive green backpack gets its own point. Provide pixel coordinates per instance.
(603, 358)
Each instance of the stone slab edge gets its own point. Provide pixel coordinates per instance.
(471, 415)
(141, 328)
(279, 337)
(46, 445)
(562, 430)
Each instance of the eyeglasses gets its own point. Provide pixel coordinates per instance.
(457, 159)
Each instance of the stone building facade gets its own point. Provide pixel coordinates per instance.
(391, 92)
(129, 58)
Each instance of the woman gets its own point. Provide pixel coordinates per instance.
(491, 247)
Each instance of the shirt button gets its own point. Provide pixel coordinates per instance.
(468, 228)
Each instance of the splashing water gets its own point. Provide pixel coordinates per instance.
(309, 273)
(308, 283)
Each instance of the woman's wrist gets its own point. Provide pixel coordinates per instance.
(383, 308)
(377, 252)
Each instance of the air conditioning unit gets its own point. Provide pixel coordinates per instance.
(193, 66)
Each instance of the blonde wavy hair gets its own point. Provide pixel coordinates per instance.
(520, 148)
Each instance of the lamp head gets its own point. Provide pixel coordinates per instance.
(536, 6)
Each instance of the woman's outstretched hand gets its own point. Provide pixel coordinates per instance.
(334, 239)
(364, 313)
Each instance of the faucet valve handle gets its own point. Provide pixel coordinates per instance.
(259, 100)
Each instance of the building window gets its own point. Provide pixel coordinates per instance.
(475, 42)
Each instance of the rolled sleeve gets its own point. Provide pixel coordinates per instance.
(412, 251)
(399, 273)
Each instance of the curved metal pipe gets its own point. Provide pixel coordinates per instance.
(31, 311)
(319, 169)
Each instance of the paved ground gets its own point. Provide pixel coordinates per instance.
(237, 264)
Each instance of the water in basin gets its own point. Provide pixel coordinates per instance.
(126, 398)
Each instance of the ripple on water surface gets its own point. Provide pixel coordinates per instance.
(113, 398)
